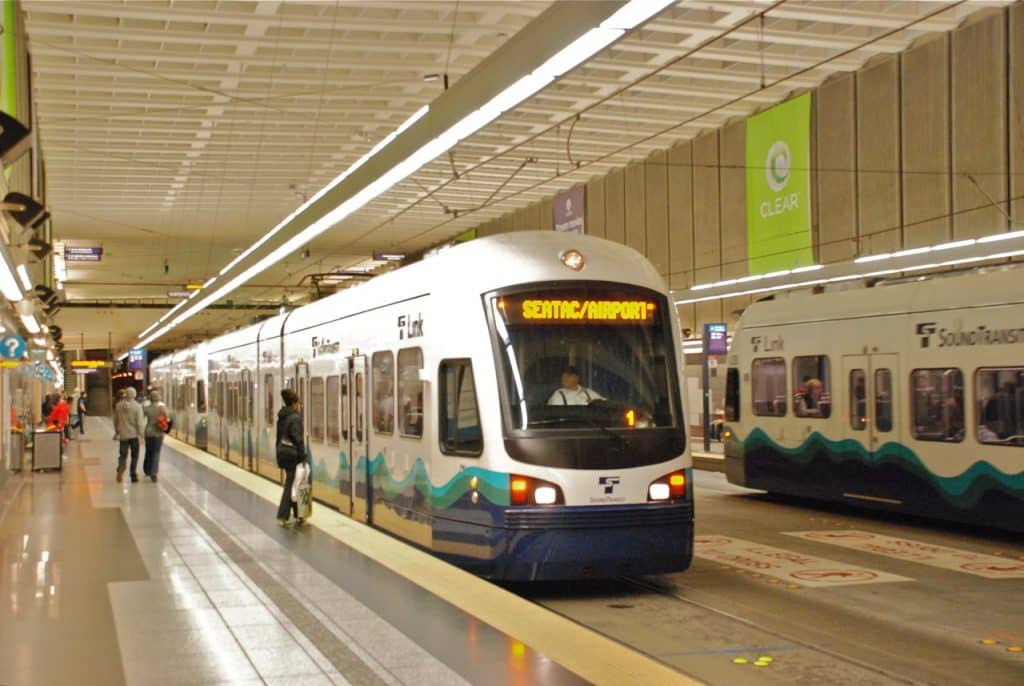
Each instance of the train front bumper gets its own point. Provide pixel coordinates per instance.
(551, 543)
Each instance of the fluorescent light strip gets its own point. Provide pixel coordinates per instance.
(30, 323)
(757, 277)
(26, 281)
(575, 53)
(416, 116)
(852, 277)
(634, 13)
(8, 283)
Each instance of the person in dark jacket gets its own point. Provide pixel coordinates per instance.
(291, 450)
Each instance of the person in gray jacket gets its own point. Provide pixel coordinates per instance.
(129, 425)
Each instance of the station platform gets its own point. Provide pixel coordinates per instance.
(191, 581)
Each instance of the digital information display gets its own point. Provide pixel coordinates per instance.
(716, 340)
(577, 311)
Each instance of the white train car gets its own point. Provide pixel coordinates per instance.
(430, 406)
(907, 397)
(232, 364)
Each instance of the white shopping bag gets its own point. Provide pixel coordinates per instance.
(302, 492)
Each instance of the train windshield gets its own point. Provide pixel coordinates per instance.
(586, 357)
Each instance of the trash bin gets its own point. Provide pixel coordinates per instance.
(17, 450)
(46, 450)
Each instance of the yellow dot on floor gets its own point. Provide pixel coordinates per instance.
(989, 641)
(765, 658)
(740, 660)
(1015, 649)
(760, 664)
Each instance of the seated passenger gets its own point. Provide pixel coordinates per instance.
(571, 392)
(809, 403)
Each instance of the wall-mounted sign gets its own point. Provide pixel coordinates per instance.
(178, 294)
(10, 364)
(137, 360)
(194, 286)
(568, 209)
(388, 256)
(12, 347)
(78, 254)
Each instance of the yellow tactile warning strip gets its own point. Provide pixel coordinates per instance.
(586, 653)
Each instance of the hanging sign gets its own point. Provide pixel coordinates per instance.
(568, 210)
(12, 347)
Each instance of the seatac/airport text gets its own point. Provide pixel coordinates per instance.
(588, 310)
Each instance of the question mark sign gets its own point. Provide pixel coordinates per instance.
(12, 347)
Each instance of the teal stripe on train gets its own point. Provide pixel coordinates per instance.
(492, 485)
(962, 490)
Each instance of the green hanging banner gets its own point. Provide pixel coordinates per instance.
(779, 187)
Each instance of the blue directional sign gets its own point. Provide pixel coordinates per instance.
(12, 347)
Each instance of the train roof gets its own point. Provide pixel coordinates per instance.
(978, 288)
(486, 264)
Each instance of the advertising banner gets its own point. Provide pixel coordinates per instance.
(779, 187)
(568, 210)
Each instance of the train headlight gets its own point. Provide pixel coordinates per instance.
(671, 486)
(525, 490)
(545, 495)
(573, 259)
(658, 491)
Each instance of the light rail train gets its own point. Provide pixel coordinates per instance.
(906, 397)
(432, 406)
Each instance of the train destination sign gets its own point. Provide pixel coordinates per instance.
(579, 311)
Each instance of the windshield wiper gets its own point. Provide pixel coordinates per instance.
(585, 419)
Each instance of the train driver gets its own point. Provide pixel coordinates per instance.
(571, 392)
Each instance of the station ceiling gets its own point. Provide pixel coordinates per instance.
(175, 134)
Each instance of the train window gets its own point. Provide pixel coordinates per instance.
(201, 395)
(359, 408)
(883, 399)
(316, 409)
(812, 397)
(332, 411)
(999, 399)
(344, 407)
(383, 392)
(732, 394)
(410, 391)
(457, 410)
(937, 404)
(768, 386)
(858, 400)
(268, 399)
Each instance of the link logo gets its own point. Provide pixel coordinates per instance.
(925, 331)
(609, 483)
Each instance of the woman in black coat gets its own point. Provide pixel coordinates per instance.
(290, 451)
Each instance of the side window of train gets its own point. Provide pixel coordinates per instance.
(201, 396)
(333, 396)
(812, 397)
(937, 404)
(410, 392)
(883, 399)
(316, 409)
(268, 395)
(383, 379)
(344, 406)
(768, 386)
(459, 418)
(858, 400)
(732, 395)
(999, 399)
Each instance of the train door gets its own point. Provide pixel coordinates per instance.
(872, 392)
(359, 463)
(247, 419)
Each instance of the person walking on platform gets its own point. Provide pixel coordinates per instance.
(129, 425)
(157, 424)
(291, 451)
(82, 411)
